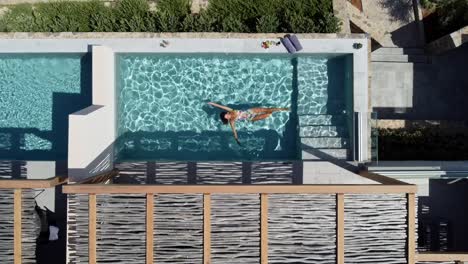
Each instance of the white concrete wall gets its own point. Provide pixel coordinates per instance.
(89, 137)
(104, 79)
(324, 172)
(39, 170)
(92, 131)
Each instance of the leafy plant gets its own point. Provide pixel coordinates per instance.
(267, 24)
(173, 16)
(167, 22)
(423, 143)
(130, 15)
(234, 24)
(206, 23)
(19, 18)
(151, 22)
(177, 8)
(103, 21)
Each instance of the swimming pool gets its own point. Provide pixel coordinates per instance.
(37, 93)
(163, 113)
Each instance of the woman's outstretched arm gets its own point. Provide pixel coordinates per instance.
(221, 106)
(233, 127)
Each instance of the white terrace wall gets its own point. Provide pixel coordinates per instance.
(92, 130)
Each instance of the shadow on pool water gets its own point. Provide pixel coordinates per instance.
(51, 144)
(263, 144)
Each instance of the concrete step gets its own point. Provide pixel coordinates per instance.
(378, 68)
(399, 58)
(322, 120)
(319, 154)
(330, 107)
(323, 131)
(324, 142)
(398, 51)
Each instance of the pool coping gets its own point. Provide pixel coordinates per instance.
(77, 35)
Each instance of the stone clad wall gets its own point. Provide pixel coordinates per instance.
(375, 224)
(6, 223)
(30, 227)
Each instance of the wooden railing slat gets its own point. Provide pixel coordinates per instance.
(149, 228)
(239, 189)
(206, 228)
(17, 216)
(32, 184)
(340, 228)
(264, 228)
(442, 256)
(92, 228)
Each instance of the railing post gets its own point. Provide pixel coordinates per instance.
(17, 207)
(340, 228)
(411, 207)
(92, 228)
(149, 228)
(264, 228)
(206, 228)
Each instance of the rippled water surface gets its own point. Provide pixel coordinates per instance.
(37, 93)
(163, 111)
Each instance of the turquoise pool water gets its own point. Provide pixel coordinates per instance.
(163, 112)
(37, 93)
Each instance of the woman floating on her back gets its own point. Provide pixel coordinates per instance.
(252, 115)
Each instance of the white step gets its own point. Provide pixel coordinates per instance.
(398, 51)
(324, 142)
(323, 120)
(399, 58)
(314, 154)
(330, 107)
(322, 131)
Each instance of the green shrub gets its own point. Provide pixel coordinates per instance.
(66, 16)
(130, 15)
(453, 13)
(177, 8)
(151, 22)
(19, 18)
(190, 23)
(201, 22)
(425, 143)
(127, 9)
(267, 24)
(103, 21)
(329, 24)
(167, 22)
(173, 16)
(234, 24)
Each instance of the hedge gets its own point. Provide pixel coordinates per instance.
(447, 16)
(249, 16)
(423, 143)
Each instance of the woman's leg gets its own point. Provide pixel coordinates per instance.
(260, 110)
(261, 117)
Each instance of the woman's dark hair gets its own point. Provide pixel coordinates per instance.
(223, 119)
